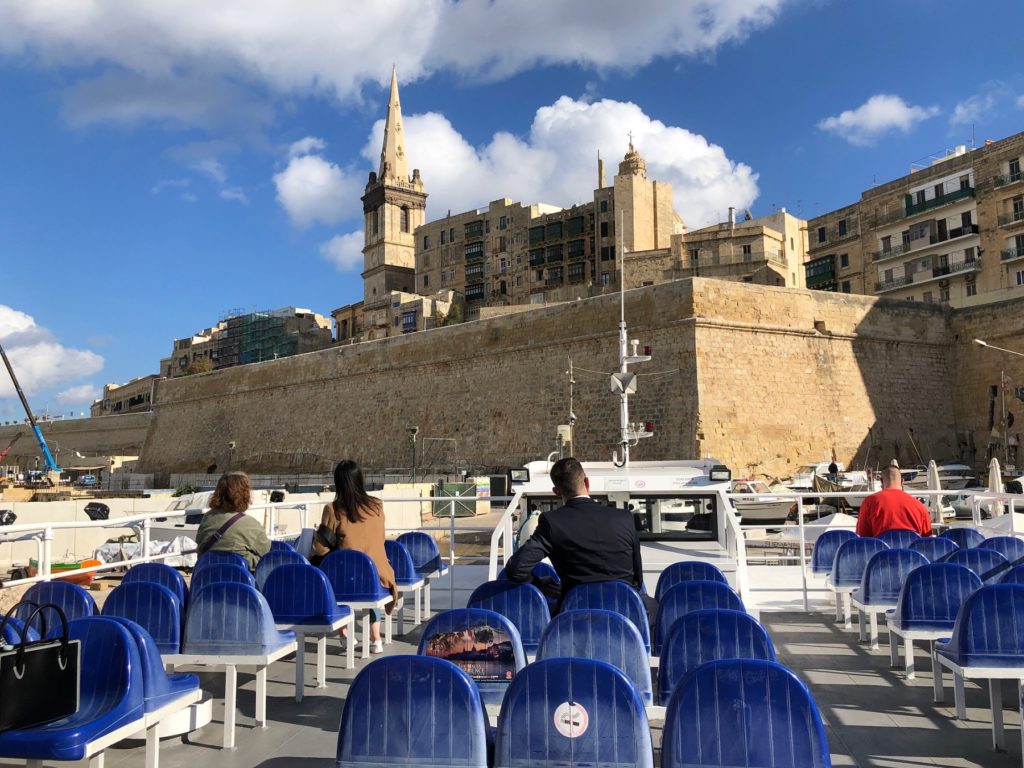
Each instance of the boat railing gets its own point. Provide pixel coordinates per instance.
(796, 539)
(736, 546)
(141, 524)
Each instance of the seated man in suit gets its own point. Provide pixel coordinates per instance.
(585, 541)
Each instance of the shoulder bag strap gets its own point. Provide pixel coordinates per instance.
(219, 533)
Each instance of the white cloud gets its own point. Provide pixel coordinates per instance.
(344, 251)
(312, 189)
(972, 109)
(157, 52)
(306, 146)
(557, 162)
(79, 395)
(39, 360)
(878, 115)
(1020, 102)
(163, 184)
(235, 194)
(213, 168)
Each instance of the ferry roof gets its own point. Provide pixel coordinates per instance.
(637, 476)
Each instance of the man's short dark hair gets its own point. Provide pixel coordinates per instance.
(567, 475)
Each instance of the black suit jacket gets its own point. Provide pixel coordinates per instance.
(585, 541)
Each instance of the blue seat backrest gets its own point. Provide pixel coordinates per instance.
(932, 595)
(688, 570)
(353, 576)
(743, 712)
(612, 596)
(541, 570)
(963, 536)
(14, 627)
(603, 635)
(825, 548)
(1013, 576)
(709, 635)
(213, 557)
(70, 598)
(412, 710)
(899, 539)
(273, 559)
(885, 573)
(989, 564)
(691, 596)
(154, 607)
(299, 593)
(482, 643)
(851, 559)
(159, 573)
(221, 572)
(158, 687)
(561, 712)
(401, 562)
(426, 557)
(935, 548)
(522, 604)
(230, 619)
(282, 545)
(1009, 547)
(989, 630)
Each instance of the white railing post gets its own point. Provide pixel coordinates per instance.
(144, 536)
(803, 550)
(451, 555)
(47, 553)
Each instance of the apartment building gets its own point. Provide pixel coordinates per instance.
(134, 396)
(950, 232)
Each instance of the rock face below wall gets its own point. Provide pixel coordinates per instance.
(762, 378)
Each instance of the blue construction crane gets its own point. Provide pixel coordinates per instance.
(51, 465)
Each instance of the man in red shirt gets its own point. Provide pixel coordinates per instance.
(892, 509)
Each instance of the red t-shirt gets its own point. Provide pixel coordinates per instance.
(893, 509)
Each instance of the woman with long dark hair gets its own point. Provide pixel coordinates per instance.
(356, 520)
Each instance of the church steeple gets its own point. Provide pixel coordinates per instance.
(393, 163)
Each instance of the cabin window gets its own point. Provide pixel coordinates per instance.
(665, 518)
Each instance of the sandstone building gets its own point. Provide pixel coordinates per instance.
(135, 396)
(952, 232)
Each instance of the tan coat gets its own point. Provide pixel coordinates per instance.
(366, 536)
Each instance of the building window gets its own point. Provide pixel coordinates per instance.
(604, 206)
(1014, 168)
(844, 260)
(576, 248)
(604, 229)
(451, 234)
(474, 292)
(1020, 277)
(846, 286)
(972, 289)
(426, 281)
(927, 298)
(965, 182)
(536, 235)
(502, 244)
(576, 272)
(944, 294)
(475, 250)
(487, 227)
(821, 234)
(607, 252)
(502, 265)
(503, 222)
(746, 250)
(604, 278)
(443, 241)
(842, 227)
(576, 226)
(375, 215)
(553, 231)
(426, 242)
(405, 218)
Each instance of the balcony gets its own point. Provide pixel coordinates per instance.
(576, 277)
(555, 258)
(896, 250)
(1011, 218)
(967, 265)
(891, 285)
(936, 202)
(1007, 178)
(552, 281)
(813, 281)
(537, 261)
(1009, 254)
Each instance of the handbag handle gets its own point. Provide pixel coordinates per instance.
(17, 607)
(62, 655)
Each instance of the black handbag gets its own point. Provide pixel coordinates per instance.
(327, 536)
(40, 680)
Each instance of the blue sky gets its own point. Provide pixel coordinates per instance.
(163, 165)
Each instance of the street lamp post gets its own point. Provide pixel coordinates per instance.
(413, 431)
(1002, 395)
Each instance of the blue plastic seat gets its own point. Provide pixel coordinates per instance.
(687, 570)
(564, 712)
(14, 628)
(851, 559)
(213, 557)
(412, 711)
(989, 564)
(152, 606)
(70, 598)
(218, 573)
(158, 688)
(522, 604)
(353, 576)
(444, 636)
(604, 635)
(825, 547)
(426, 557)
(964, 537)
(401, 563)
(880, 585)
(299, 593)
(899, 539)
(743, 712)
(1010, 547)
(282, 545)
(702, 636)
(159, 573)
(1013, 576)
(111, 696)
(273, 559)
(935, 548)
(230, 619)
(541, 570)
(612, 596)
(689, 596)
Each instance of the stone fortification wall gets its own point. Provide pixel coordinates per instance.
(98, 436)
(782, 377)
(789, 376)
